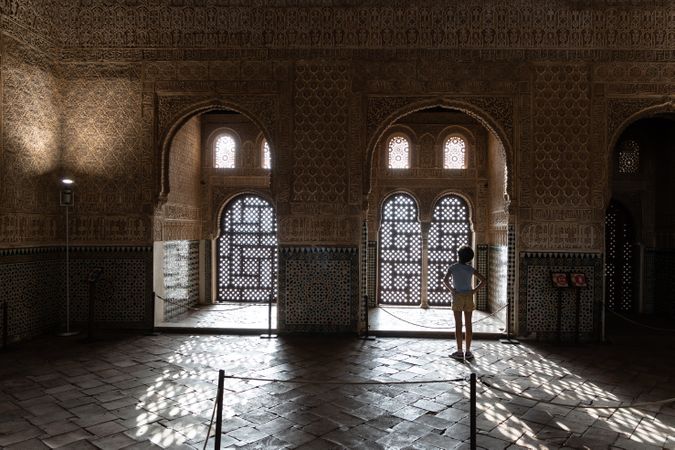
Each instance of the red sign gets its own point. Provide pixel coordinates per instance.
(560, 279)
(578, 279)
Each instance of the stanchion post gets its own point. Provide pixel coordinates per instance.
(269, 334)
(508, 339)
(366, 336)
(219, 408)
(5, 325)
(472, 409)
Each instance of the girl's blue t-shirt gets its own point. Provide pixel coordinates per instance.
(461, 277)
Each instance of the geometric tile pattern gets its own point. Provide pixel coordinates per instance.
(539, 300)
(181, 277)
(497, 286)
(481, 262)
(33, 287)
(123, 294)
(318, 289)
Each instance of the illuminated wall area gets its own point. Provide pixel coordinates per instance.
(164, 113)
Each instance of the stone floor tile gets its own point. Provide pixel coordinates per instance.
(61, 440)
(346, 439)
(59, 427)
(452, 414)
(320, 444)
(490, 442)
(458, 431)
(295, 436)
(320, 427)
(106, 428)
(435, 440)
(113, 441)
(395, 440)
(31, 444)
(246, 435)
(409, 413)
(15, 437)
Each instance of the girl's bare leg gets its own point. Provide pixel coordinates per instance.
(469, 329)
(458, 329)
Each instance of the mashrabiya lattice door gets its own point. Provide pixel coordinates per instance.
(449, 230)
(400, 252)
(247, 251)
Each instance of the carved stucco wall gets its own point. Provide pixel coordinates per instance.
(29, 146)
(498, 198)
(606, 63)
(557, 211)
(181, 213)
(107, 139)
(521, 24)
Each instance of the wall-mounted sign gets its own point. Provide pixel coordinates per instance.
(560, 279)
(578, 280)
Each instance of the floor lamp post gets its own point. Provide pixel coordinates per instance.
(67, 199)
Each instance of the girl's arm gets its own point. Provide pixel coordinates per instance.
(481, 280)
(446, 282)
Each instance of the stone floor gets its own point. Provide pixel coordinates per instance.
(388, 319)
(158, 392)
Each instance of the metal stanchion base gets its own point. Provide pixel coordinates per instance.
(68, 333)
(510, 341)
(268, 336)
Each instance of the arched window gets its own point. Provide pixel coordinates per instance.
(398, 153)
(454, 153)
(266, 157)
(247, 251)
(450, 229)
(400, 261)
(225, 152)
(629, 157)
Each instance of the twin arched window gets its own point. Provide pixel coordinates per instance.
(401, 251)
(225, 151)
(454, 152)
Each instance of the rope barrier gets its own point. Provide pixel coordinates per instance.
(471, 379)
(320, 382)
(441, 328)
(589, 405)
(192, 308)
(627, 319)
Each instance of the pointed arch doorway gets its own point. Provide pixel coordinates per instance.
(432, 170)
(640, 228)
(216, 247)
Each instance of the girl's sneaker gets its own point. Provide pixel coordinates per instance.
(468, 356)
(458, 355)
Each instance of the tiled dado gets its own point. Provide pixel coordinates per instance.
(318, 289)
(181, 277)
(33, 283)
(538, 299)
